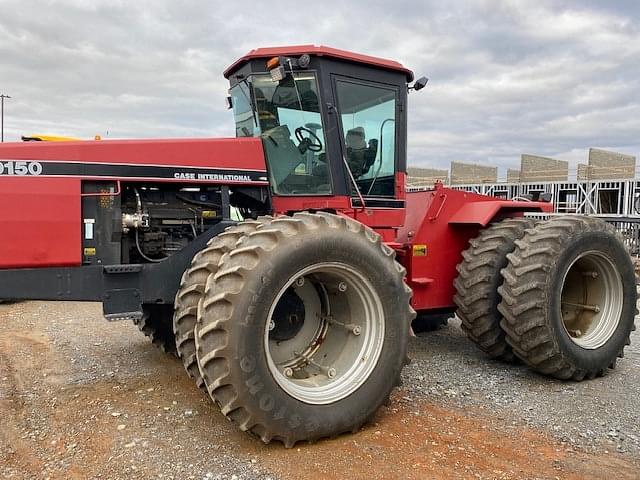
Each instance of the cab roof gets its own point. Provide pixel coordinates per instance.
(319, 50)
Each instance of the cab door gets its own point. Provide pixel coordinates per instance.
(369, 119)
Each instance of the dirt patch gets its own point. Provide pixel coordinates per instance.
(83, 398)
(417, 441)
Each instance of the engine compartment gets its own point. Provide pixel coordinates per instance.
(143, 222)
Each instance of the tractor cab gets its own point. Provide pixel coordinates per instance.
(332, 123)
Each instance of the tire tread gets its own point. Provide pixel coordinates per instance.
(478, 274)
(226, 286)
(523, 292)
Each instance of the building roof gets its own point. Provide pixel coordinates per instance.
(319, 50)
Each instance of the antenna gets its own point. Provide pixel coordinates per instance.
(2, 97)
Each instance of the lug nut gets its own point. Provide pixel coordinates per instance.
(342, 287)
(272, 325)
(331, 372)
(288, 372)
(299, 281)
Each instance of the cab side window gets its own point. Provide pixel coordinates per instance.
(368, 116)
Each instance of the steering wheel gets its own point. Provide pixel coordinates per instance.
(311, 142)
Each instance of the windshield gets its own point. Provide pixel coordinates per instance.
(286, 115)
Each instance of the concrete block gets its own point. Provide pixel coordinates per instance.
(513, 175)
(604, 165)
(534, 168)
(462, 173)
(427, 175)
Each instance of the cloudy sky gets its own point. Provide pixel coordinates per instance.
(506, 76)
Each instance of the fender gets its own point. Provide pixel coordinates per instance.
(484, 212)
(440, 223)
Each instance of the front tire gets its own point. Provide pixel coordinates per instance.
(569, 297)
(156, 323)
(302, 333)
(192, 285)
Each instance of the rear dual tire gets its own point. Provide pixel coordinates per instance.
(479, 277)
(569, 298)
(559, 295)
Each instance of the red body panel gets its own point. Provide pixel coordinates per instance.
(287, 204)
(40, 222)
(444, 220)
(385, 221)
(41, 211)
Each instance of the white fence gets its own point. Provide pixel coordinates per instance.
(602, 197)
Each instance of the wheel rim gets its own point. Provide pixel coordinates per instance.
(591, 300)
(337, 346)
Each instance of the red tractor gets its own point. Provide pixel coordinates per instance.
(295, 316)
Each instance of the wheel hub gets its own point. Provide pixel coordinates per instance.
(591, 300)
(324, 333)
(288, 317)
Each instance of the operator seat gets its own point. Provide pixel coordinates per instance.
(360, 156)
(283, 156)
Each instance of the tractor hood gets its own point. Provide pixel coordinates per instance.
(223, 160)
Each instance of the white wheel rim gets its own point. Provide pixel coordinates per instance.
(341, 338)
(591, 300)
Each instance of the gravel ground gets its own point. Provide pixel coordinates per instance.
(599, 414)
(84, 398)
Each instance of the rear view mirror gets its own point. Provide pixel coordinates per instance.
(420, 83)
